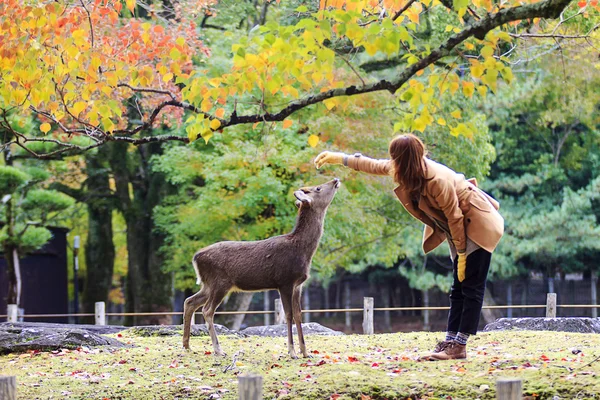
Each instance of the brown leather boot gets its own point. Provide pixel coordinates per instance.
(454, 351)
(439, 347)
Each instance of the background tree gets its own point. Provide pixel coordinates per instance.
(26, 210)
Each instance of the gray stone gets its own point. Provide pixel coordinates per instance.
(172, 330)
(311, 328)
(580, 325)
(14, 339)
(99, 329)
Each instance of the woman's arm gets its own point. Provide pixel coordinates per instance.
(356, 161)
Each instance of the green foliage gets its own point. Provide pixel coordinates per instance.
(11, 179)
(45, 201)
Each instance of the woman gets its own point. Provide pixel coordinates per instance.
(452, 208)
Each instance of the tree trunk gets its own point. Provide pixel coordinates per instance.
(593, 293)
(489, 315)
(148, 287)
(11, 255)
(99, 246)
(239, 301)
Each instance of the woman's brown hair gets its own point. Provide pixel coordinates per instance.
(407, 152)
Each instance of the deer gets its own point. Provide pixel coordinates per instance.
(279, 262)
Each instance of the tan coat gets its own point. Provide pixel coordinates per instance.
(449, 198)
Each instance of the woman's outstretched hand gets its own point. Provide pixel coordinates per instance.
(329, 157)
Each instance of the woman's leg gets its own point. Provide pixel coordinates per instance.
(466, 300)
(473, 290)
(456, 304)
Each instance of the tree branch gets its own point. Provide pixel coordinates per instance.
(475, 28)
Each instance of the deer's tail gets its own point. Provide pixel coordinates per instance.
(195, 264)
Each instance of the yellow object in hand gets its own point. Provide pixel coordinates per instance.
(462, 266)
(329, 157)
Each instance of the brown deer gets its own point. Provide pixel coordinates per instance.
(281, 262)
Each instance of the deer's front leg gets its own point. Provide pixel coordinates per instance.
(286, 301)
(297, 309)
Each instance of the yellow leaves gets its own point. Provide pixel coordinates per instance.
(215, 124)
(468, 88)
(330, 103)
(487, 51)
(287, 123)
(476, 69)
(130, 5)
(456, 114)
(78, 108)
(206, 135)
(313, 140)
(45, 127)
(441, 121)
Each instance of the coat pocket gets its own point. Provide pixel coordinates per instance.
(480, 203)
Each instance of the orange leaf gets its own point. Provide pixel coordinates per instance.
(287, 123)
(45, 127)
(220, 112)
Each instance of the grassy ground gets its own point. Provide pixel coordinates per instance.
(349, 367)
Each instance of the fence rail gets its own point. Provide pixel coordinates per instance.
(327, 310)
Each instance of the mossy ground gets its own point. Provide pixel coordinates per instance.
(347, 367)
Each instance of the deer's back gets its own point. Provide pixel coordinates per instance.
(254, 265)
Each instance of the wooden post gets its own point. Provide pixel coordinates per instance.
(250, 387)
(551, 305)
(368, 316)
(509, 389)
(266, 304)
(8, 388)
(100, 313)
(279, 313)
(12, 311)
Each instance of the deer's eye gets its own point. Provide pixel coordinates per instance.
(318, 189)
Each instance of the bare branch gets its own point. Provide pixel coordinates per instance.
(401, 11)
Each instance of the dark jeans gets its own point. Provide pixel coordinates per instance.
(466, 297)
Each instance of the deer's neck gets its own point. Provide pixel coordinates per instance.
(308, 229)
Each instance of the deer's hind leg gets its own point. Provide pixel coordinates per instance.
(215, 298)
(190, 306)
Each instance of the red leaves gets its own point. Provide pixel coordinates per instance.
(334, 396)
(122, 361)
(352, 359)
(375, 365)
(582, 4)
(544, 358)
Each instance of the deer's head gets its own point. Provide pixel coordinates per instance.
(317, 198)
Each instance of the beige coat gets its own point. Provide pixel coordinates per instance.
(449, 198)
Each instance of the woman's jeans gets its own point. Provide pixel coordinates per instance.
(466, 297)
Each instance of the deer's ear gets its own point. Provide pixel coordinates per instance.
(303, 198)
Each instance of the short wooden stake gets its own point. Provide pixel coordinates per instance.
(551, 305)
(100, 313)
(8, 388)
(279, 313)
(368, 316)
(250, 387)
(509, 389)
(12, 311)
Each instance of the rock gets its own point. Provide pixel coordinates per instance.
(311, 328)
(15, 339)
(579, 325)
(99, 329)
(172, 330)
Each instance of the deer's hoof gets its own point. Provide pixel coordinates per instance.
(220, 353)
